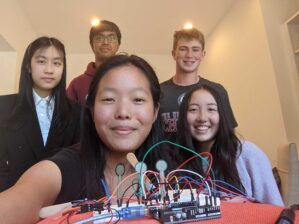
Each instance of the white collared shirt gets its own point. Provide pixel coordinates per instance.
(44, 109)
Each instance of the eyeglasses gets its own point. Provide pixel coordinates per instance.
(101, 38)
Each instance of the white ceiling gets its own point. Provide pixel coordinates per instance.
(147, 26)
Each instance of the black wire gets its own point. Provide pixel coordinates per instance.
(130, 186)
(133, 194)
(119, 216)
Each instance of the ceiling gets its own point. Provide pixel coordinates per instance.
(147, 26)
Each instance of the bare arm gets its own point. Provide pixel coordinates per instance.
(38, 187)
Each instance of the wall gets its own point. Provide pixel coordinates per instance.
(8, 58)
(275, 13)
(18, 32)
(238, 56)
(8, 71)
(164, 65)
(76, 64)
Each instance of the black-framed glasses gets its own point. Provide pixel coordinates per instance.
(101, 38)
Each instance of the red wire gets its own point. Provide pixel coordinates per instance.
(210, 159)
(195, 156)
(110, 210)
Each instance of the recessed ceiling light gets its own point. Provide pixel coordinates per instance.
(188, 25)
(95, 21)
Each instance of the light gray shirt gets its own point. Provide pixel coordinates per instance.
(256, 175)
(44, 109)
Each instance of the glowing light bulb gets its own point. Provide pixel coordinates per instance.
(95, 22)
(188, 25)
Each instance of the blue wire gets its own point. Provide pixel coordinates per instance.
(221, 181)
(105, 188)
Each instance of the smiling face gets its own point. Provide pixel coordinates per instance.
(105, 45)
(188, 55)
(203, 118)
(46, 68)
(124, 110)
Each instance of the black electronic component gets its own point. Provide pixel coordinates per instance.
(91, 206)
(180, 212)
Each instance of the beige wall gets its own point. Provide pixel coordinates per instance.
(164, 65)
(7, 72)
(76, 64)
(238, 57)
(18, 32)
(275, 13)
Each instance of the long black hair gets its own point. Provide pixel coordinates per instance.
(225, 149)
(92, 149)
(25, 95)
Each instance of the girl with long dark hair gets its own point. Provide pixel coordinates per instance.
(204, 127)
(39, 119)
(121, 116)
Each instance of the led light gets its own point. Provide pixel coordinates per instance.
(188, 25)
(95, 22)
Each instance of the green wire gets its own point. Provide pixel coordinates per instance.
(182, 147)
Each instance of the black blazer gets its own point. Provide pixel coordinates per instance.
(21, 144)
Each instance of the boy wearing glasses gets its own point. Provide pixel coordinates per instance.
(188, 52)
(104, 40)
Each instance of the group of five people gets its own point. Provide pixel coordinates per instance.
(117, 106)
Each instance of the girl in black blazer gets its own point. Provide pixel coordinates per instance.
(39, 119)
